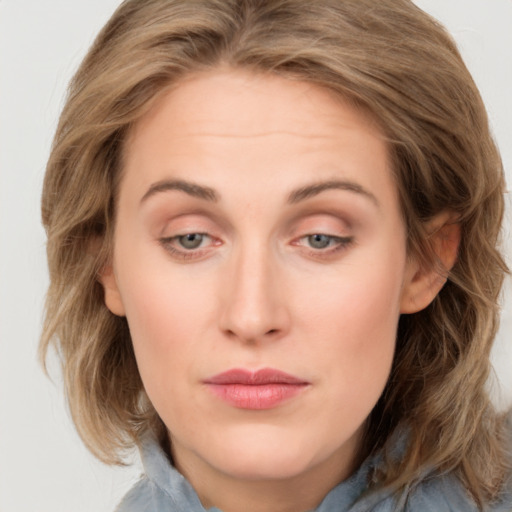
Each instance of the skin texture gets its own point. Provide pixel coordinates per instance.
(257, 292)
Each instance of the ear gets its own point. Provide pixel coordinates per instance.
(112, 296)
(421, 285)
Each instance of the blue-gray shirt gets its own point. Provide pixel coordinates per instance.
(163, 489)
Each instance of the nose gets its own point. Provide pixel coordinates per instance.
(254, 307)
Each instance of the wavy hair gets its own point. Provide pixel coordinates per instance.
(387, 57)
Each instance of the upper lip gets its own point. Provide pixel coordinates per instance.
(254, 378)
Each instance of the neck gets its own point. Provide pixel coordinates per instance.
(298, 493)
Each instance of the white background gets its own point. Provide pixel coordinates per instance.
(43, 466)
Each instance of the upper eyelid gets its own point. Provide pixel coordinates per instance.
(180, 235)
(199, 222)
(296, 233)
(334, 232)
(218, 222)
(340, 238)
(319, 222)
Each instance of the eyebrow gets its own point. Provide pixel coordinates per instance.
(296, 196)
(314, 189)
(192, 189)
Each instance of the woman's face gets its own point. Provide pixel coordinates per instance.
(260, 260)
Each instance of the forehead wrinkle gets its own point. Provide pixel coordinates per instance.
(235, 135)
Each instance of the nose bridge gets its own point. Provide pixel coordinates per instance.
(254, 306)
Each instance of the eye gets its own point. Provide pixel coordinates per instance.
(191, 240)
(189, 245)
(320, 245)
(319, 241)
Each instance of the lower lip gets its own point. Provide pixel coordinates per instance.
(256, 397)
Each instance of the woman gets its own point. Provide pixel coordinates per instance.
(272, 239)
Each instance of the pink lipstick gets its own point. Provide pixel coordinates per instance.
(263, 389)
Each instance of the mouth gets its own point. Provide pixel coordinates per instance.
(264, 389)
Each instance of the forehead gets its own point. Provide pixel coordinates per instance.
(242, 103)
(264, 129)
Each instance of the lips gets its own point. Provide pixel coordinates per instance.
(263, 389)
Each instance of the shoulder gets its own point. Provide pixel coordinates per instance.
(437, 493)
(445, 493)
(161, 487)
(142, 497)
(148, 496)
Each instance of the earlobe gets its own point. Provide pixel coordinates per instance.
(112, 296)
(421, 285)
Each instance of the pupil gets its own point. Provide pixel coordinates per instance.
(191, 241)
(319, 241)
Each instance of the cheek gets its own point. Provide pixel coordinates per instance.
(360, 296)
(354, 319)
(163, 313)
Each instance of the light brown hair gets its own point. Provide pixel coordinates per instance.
(387, 57)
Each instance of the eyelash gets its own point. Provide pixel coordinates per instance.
(339, 243)
(184, 254)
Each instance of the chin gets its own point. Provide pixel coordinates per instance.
(265, 454)
(264, 465)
